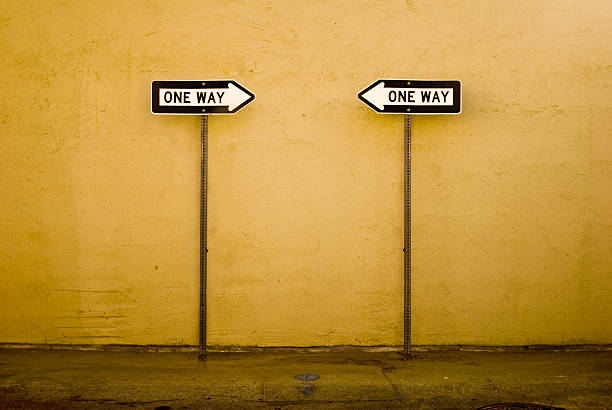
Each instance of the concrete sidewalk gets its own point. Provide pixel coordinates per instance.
(352, 379)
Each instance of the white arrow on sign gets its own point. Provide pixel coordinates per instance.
(230, 97)
(381, 96)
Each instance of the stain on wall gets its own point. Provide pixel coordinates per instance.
(99, 221)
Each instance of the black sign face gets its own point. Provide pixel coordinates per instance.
(198, 97)
(413, 96)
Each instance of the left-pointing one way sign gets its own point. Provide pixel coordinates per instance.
(198, 97)
(413, 96)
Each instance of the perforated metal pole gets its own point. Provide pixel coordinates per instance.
(203, 244)
(407, 341)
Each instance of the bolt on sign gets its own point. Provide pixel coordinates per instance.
(413, 96)
(198, 97)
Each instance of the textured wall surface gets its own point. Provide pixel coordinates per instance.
(512, 199)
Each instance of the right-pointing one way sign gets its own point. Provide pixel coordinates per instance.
(413, 96)
(198, 97)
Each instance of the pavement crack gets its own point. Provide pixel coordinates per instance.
(395, 389)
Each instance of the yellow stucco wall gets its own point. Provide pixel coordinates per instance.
(512, 199)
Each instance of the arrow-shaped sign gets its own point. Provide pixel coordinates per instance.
(413, 96)
(198, 97)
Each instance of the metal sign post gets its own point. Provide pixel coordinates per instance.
(407, 287)
(203, 237)
(202, 97)
(411, 97)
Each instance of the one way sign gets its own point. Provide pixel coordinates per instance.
(413, 96)
(198, 97)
